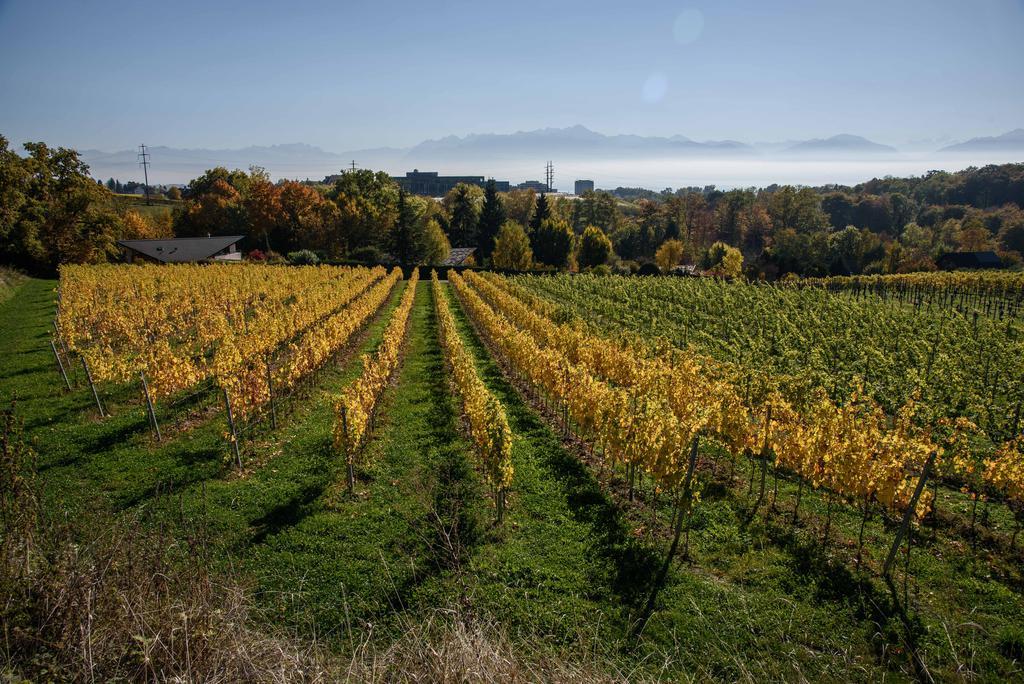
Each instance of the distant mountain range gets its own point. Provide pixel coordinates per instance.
(1012, 141)
(577, 141)
(843, 143)
(492, 152)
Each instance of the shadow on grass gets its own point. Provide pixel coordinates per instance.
(838, 583)
(636, 564)
(64, 415)
(30, 370)
(114, 437)
(288, 513)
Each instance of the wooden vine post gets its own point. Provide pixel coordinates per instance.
(149, 406)
(565, 405)
(682, 515)
(348, 451)
(234, 432)
(903, 530)
(60, 365)
(764, 462)
(907, 517)
(270, 390)
(92, 385)
(688, 492)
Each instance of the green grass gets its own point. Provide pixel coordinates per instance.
(558, 560)
(567, 573)
(140, 200)
(158, 208)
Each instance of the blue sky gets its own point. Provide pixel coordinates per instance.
(349, 75)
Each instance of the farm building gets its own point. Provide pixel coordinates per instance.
(969, 260)
(181, 250)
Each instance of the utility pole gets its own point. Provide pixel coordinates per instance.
(549, 176)
(144, 163)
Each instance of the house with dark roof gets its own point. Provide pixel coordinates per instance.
(953, 261)
(182, 250)
(457, 256)
(685, 270)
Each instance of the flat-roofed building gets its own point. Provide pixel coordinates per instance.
(583, 186)
(536, 186)
(431, 184)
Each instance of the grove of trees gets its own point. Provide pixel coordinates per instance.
(52, 212)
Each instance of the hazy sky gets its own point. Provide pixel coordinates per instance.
(347, 75)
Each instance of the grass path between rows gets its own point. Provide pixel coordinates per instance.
(343, 563)
(564, 565)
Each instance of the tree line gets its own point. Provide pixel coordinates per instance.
(52, 212)
(132, 187)
(890, 225)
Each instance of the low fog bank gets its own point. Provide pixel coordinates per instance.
(653, 173)
(657, 174)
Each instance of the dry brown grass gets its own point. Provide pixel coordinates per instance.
(9, 280)
(451, 650)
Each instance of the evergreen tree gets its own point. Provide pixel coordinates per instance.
(404, 242)
(462, 225)
(512, 248)
(491, 217)
(111, 185)
(675, 218)
(433, 242)
(540, 213)
(672, 231)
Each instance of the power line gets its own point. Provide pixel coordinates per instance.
(144, 163)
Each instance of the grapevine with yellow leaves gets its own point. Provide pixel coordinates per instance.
(182, 324)
(354, 408)
(645, 411)
(488, 424)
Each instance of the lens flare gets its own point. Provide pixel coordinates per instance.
(688, 26)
